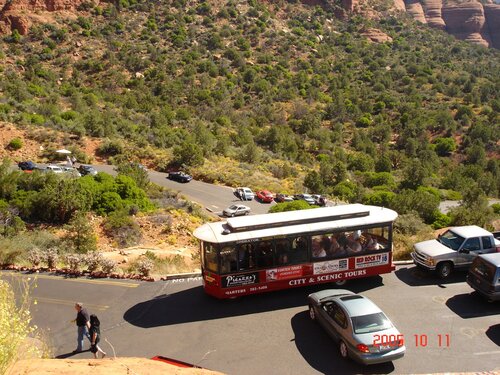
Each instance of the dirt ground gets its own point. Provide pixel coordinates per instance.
(106, 366)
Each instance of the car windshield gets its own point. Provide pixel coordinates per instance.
(233, 207)
(370, 323)
(451, 240)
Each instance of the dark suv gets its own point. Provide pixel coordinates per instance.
(26, 165)
(87, 170)
(179, 176)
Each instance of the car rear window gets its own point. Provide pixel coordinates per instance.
(484, 269)
(370, 323)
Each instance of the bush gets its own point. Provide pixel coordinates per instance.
(74, 261)
(15, 326)
(51, 258)
(35, 257)
(15, 144)
(496, 208)
(123, 229)
(291, 206)
(108, 265)
(93, 260)
(144, 266)
(409, 224)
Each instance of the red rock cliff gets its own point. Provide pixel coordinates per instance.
(467, 20)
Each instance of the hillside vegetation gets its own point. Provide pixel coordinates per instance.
(276, 95)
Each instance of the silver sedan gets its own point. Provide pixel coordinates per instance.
(362, 330)
(236, 210)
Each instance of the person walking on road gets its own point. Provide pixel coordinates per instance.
(83, 324)
(95, 336)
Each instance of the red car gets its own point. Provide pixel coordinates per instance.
(265, 196)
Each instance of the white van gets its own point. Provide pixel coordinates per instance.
(54, 168)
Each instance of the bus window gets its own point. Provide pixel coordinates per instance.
(282, 252)
(210, 252)
(246, 256)
(374, 239)
(318, 250)
(298, 250)
(228, 261)
(265, 254)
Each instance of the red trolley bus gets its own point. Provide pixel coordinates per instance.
(261, 253)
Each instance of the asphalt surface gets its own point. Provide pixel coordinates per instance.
(271, 333)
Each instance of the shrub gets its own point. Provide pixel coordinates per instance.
(409, 224)
(496, 208)
(291, 206)
(15, 325)
(35, 256)
(74, 261)
(52, 257)
(15, 144)
(93, 260)
(123, 229)
(108, 265)
(144, 266)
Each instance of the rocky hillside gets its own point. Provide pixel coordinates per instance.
(470, 20)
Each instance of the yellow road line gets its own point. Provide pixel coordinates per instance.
(76, 280)
(69, 303)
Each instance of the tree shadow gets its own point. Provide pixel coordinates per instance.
(493, 334)
(415, 276)
(321, 351)
(472, 305)
(194, 305)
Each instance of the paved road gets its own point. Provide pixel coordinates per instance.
(271, 333)
(213, 197)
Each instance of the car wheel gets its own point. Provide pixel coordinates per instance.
(444, 269)
(340, 282)
(246, 213)
(343, 349)
(232, 215)
(312, 313)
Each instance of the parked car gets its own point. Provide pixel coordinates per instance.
(179, 177)
(305, 197)
(484, 276)
(265, 196)
(26, 165)
(361, 329)
(236, 210)
(54, 168)
(87, 170)
(455, 248)
(244, 193)
(319, 200)
(283, 198)
(72, 171)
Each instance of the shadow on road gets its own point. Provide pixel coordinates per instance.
(414, 276)
(472, 306)
(321, 352)
(194, 305)
(493, 334)
(70, 354)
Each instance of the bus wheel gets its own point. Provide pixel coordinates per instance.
(340, 282)
(444, 269)
(312, 313)
(343, 349)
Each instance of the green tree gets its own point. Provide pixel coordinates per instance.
(291, 206)
(445, 146)
(80, 236)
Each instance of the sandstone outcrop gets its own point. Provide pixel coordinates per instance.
(376, 35)
(467, 20)
(15, 14)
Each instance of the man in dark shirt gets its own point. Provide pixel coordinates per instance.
(83, 324)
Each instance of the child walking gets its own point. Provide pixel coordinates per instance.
(95, 336)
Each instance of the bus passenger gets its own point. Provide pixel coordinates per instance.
(371, 243)
(317, 249)
(353, 246)
(336, 250)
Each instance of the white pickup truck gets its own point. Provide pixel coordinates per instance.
(455, 248)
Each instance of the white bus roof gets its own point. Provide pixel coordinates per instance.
(342, 217)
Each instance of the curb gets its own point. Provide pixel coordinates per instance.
(181, 276)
